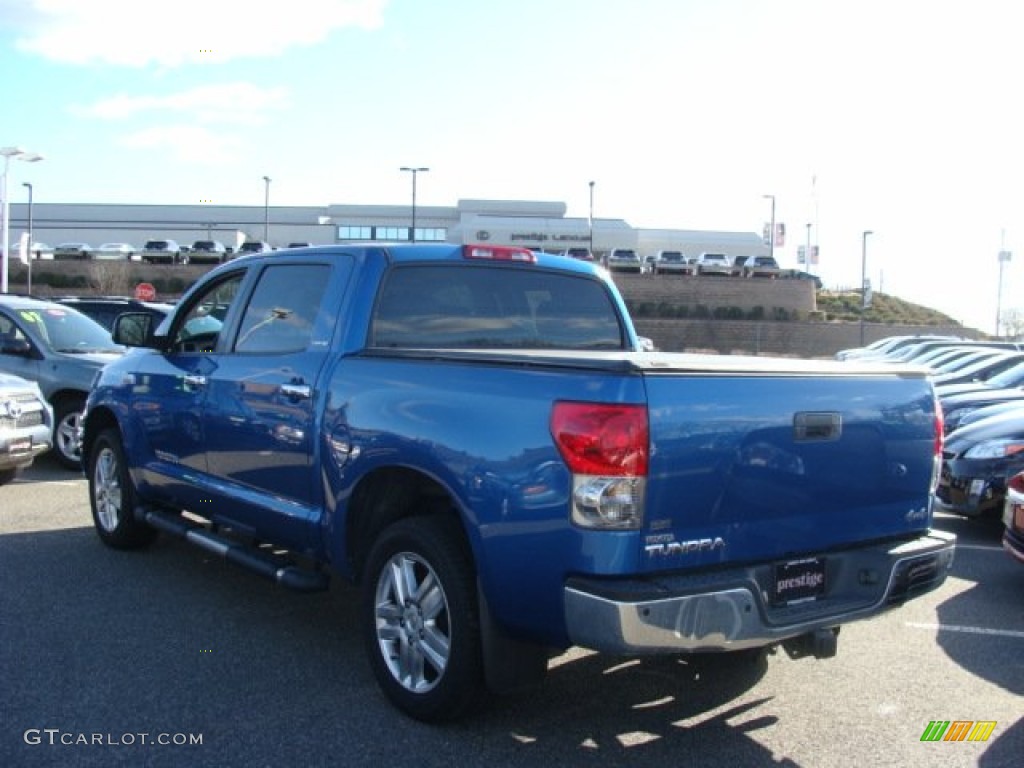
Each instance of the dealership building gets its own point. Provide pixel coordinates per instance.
(537, 225)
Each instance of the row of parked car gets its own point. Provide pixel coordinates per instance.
(668, 262)
(980, 391)
(159, 251)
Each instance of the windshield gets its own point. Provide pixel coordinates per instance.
(1011, 377)
(65, 330)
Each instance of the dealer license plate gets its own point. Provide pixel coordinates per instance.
(799, 580)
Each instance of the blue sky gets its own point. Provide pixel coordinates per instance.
(896, 116)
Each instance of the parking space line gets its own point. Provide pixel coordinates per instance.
(966, 630)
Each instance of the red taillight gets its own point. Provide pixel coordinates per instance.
(939, 429)
(498, 253)
(1016, 483)
(602, 439)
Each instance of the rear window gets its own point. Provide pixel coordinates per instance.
(470, 307)
(156, 245)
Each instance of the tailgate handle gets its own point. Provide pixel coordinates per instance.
(817, 426)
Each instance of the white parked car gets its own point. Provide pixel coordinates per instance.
(714, 264)
(672, 262)
(115, 251)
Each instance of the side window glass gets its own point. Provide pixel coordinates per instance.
(199, 330)
(283, 310)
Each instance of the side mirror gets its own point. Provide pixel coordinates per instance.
(17, 347)
(133, 329)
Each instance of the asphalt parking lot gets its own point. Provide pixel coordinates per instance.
(172, 657)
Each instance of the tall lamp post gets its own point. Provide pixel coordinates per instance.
(413, 171)
(31, 235)
(591, 219)
(1004, 258)
(771, 230)
(5, 215)
(863, 280)
(266, 210)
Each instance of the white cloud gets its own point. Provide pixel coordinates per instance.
(222, 103)
(135, 33)
(194, 144)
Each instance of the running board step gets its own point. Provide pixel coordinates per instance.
(290, 576)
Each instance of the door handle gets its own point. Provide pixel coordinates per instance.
(193, 381)
(297, 391)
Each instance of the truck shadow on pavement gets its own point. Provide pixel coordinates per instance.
(174, 640)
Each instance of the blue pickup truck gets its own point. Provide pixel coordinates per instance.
(475, 435)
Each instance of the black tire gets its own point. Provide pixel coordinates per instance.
(424, 648)
(67, 420)
(112, 495)
(6, 475)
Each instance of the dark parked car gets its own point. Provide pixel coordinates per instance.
(1013, 517)
(956, 407)
(105, 309)
(72, 251)
(977, 462)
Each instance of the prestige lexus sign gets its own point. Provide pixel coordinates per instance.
(541, 237)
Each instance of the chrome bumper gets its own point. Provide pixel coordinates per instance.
(730, 610)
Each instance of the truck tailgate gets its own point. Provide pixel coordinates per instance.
(749, 467)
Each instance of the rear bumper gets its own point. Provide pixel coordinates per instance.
(730, 610)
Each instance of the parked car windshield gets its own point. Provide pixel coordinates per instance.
(66, 330)
(428, 306)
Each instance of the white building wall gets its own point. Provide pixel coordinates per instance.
(532, 224)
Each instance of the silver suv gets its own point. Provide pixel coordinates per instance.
(713, 264)
(61, 350)
(26, 425)
(163, 252)
(208, 252)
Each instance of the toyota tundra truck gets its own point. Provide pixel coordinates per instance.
(475, 435)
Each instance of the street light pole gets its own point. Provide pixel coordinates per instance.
(5, 214)
(863, 280)
(591, 219)
(1004, 257)
(31, 235)
(266, 210)
(413, 171)
(771, 232)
